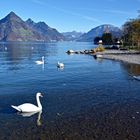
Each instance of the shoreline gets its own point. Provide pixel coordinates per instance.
(132, 57)
(129, 56)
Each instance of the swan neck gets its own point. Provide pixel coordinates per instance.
(38, 102)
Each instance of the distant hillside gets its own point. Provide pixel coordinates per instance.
(98, 31)
(13, 28)
(71, 36)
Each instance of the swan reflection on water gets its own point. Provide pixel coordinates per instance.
(43, 67)
(29, 114)
(60, 68)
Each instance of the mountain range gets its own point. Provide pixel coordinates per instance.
(13, 28)
(98, 32)
(49, 33)
(71, 36)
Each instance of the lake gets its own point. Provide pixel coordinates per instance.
(90, 99)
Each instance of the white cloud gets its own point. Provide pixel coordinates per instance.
(118, 12)
(38, 2)
(89, 18)
(130, 13)
(111, 0)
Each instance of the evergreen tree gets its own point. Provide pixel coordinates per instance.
(96, 40)
(107, 38)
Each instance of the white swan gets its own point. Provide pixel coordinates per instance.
(60, 65)
(136, 77)
(39, 62)
(28, 107)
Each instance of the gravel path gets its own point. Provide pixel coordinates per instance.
(133, 58)
(126, 56)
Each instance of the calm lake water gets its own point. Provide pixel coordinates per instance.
(87, 100)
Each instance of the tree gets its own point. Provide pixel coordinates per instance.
(131, 32)
(96, 40)
(136, 32)
(107, 38)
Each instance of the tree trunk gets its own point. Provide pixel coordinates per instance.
(139, 43)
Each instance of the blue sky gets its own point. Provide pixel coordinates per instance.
(69, 15)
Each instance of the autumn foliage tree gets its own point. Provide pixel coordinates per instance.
(131, 32)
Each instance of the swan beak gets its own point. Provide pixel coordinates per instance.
(41, 95)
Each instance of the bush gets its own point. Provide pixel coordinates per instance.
(100, 48)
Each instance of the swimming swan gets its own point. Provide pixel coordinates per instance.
(60, 65)
(136, 77)
(28, 107)
(40, 62)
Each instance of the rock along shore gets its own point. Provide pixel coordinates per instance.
(129, 56)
